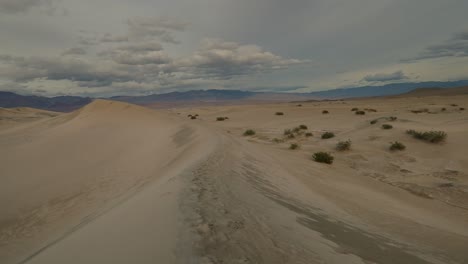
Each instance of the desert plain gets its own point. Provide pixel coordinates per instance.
(119, 183)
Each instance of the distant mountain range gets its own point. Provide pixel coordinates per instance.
(59, 103)
(389, 89)
(70, 103)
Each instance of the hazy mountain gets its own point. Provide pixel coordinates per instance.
(389, 89)
(69, 103)
(59, 103)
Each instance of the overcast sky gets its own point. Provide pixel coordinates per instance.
(135, 47)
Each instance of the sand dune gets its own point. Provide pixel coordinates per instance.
(118, 183)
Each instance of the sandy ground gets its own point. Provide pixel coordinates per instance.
(118, 183)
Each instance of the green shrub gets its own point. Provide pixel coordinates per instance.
(323, 157)
(343, 145)
(373, 122)
(387, 126)
(429, 136)
(294, 146)
(303, 127)
(397, 146)
(220, 118)
(308, 134)
(249, 132)
(360, 113)
(279, 113)
(328, 135)
(325, 112)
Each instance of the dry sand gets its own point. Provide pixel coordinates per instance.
(118, 183)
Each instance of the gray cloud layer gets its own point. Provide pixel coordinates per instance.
(385, 77)
(455, 47)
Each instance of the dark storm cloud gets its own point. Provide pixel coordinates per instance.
(385, 77)
(457, 46)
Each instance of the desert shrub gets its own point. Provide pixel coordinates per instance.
(354, 109)
(373, 122)
(193, 117)
(308, 134)
(397, 146)
(392, 118)
(387, 126)
(294, 146)
(220, 118)
(325, 112)
(299, 105)
(189, 115)
(296, 129)
(360, 113)
(461, 108)
(303, 127)
(287, 132)
(429, 136)
(327, 135)
(370, 110)
(443, 109)
(226, 118)
(454, 105)
(279, 113)
(343, 145)
(424, 110)
(277, 140)
(249, 132)
(196, 115)
(323, 157)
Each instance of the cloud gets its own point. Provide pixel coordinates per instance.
(23, 6)
(457, 46)
(385, 77)
(220, 59)
(74, 51)
(110, 38)
(145, 66)
(153, 27)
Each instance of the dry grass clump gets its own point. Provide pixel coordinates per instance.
(249, 132)
(323, 157)
(343, 145)
(397, 146)
(309, 134)
(360, 112)
(429, 136)
(328, 135)
(392, 118)
(387, 126)
(370, 110)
